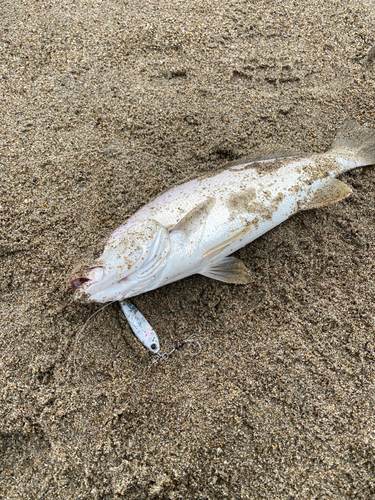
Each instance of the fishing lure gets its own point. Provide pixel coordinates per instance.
(140, 326)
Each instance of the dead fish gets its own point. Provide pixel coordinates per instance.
(195, 227)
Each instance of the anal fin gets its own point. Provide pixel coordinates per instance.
(331, 192)
(229, 270)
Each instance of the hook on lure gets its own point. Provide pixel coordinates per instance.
(165, 356)
(146, 334)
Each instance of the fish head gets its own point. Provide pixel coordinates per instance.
(131, 262)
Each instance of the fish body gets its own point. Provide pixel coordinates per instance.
(194, 228)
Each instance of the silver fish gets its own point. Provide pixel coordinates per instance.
(193, 228)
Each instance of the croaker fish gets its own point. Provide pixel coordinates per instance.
(193, 228)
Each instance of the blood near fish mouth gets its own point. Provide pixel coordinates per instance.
(77, 282)
(93, 274)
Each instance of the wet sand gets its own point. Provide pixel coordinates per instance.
(279, 403)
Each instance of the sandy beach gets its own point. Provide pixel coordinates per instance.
(106, 104)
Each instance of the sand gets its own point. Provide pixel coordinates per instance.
(105, 104)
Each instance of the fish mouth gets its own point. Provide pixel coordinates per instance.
(81, 280)
(91, 284)
(77, 282)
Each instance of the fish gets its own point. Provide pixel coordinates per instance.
(194, 228)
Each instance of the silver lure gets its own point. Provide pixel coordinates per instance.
(140, 326)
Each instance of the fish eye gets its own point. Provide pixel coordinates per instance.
(153, 347)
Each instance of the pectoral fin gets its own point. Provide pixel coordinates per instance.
(229, 270)
(331, 192)
(218, 248)
(194, 220)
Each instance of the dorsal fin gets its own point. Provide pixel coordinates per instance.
(263, 157)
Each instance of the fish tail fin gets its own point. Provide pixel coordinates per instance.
(354, 146)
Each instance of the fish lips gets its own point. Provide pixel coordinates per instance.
(84, 279)
(96, 286)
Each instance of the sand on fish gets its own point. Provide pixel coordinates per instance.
(104, 104)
